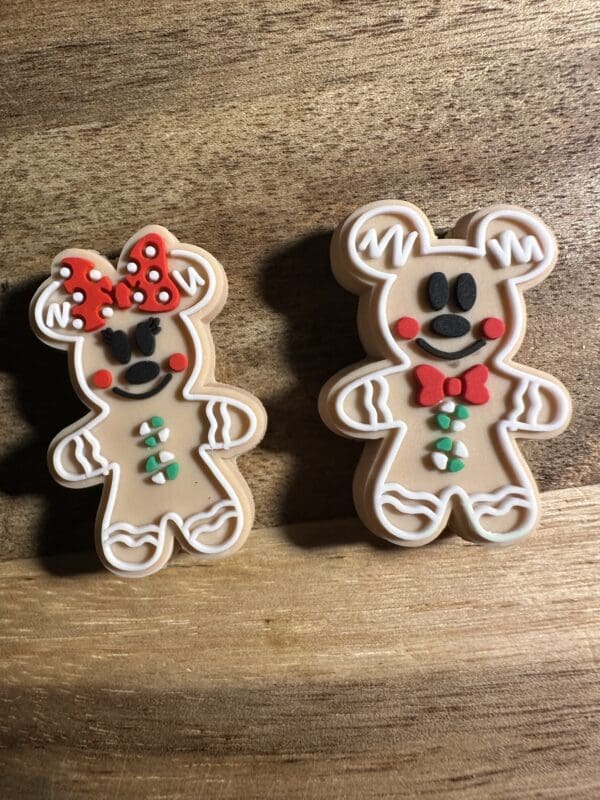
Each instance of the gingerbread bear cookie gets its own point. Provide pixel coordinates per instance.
(443, 405)
(162, 435)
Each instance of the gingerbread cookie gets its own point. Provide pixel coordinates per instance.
(443, 405)
(162, 435)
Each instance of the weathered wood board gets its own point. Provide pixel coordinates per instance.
(318, 663)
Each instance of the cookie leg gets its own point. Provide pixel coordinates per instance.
(134, 551)
(224, 524)
(216, 529)
(503, 516)
(408, 518)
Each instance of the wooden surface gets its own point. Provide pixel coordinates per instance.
(252, 129)
(318, 663)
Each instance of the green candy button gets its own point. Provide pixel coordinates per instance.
(444, 444)
(151, 441)
(455, 465)
(443, 421)
(157, 422)
(172, 471)
(461, 412)
(152, 464)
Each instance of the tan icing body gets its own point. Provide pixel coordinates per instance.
(387, 253)
(163, 435)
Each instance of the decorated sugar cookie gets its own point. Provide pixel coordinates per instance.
(162, 435)
(443, 405)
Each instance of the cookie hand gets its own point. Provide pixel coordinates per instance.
(361, 405)
(232, 422)
(77, 456)
(542, 405)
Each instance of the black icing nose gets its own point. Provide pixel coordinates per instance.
(450, 325)
(142, 372)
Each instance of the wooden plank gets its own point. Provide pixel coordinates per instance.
(318, 663)
(252, 129)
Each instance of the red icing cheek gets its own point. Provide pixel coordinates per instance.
(178, 362)
(407, 328)
(492, 328)
(102, 379)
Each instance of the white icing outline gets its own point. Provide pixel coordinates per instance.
(476, 505)
(156, 534)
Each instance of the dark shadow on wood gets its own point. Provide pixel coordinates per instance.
(43, 396)
(321, 338)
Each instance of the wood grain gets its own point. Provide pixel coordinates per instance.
(251, 129)
(319, 663)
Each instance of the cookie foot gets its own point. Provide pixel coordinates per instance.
(504, 516)
(133, 551)
(409, 518)
(215, 530)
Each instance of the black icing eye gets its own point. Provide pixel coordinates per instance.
(437, 290)
(465, 291)
(119, 344)
(145, 333)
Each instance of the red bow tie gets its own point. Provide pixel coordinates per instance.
(434, 385)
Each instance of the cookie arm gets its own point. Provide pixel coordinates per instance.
(356, 403)
(236, 419)
(76, 455)
(541, 405)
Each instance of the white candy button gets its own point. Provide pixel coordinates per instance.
(460, 449)
(440, 460)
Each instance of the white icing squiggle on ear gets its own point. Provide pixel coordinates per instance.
(193, 282)
(58, 314)
(508, 249)
(401, 248)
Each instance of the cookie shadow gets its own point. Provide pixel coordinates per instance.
(320, 338)
(42, 396)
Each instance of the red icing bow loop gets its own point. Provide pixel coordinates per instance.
(434, 386)
(148, 283)
(90, 290)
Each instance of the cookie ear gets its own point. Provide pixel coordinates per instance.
(514, 240)
(377, 240)
(77, 298)
(159, 274)
(200, 279)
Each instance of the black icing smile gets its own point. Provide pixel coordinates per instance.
(143, 395)
(451, 356)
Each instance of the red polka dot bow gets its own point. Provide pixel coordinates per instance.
(147, 284)
(434, 386)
